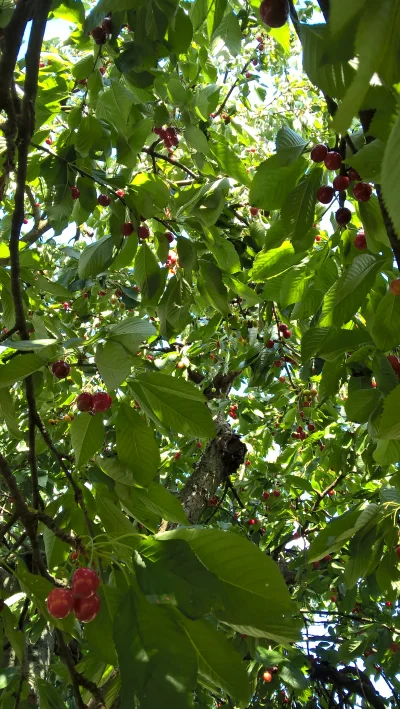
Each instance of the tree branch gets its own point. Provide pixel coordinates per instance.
(176, 163)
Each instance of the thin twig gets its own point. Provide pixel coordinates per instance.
(176, 163)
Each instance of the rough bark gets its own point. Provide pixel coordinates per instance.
(221, 458)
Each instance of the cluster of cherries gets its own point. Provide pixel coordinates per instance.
(362, 191)
(233, 411)
(101, 401)
(100, 33)
(82, 599)
(168, 135)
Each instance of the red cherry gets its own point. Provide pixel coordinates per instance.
(102, 70)
(276, 493)
(394, 647)
(127, 228)
(331, 493)
(82, 82)
(318, 238)
(60, 602)
(99, 35)
(341, 182)
(333, 599)
(278, 363)
(251, 522)
(394, 286)
(169, 236)
(307, 404)
(353, 175)
(75, 194)
(282, 379)
(49, 141)
(177, 455)
(247, 463)
(398, 551)
(143, 232)
(325, 194)
(316, 564)
(395, 364)
(253, 211)
(333, 160)
(248, 75)
(104, 200)
(327, 558)
(343, 216)
(266, 495)
(282, 327)
(199, 444)
(388, 604)
(270, 344)
(360, 241)
(101, 401)
(60, 369)
(84, 401)
(86, 609)
(267, 677)
(25, 220)
(260, 47)
(311, 427)
(120, 193)
(362, 191)
(318, 153)
(287, 334)
(84, 582)
(106, 25)
(41, 65)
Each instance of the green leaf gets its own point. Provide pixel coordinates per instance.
(271, 263)
(374, 227)
(376, 22)
(299, 206)
(88, 136)
(230, 163)
(147, 272)
(291, 675)
(176, 404)
(312, 342)
(8, 414)
(162, 502)
(224, 253)
(273, 182)
(180, 33)
(332, 373)
(360, 402)
(289, 145)
(391, 176)
(337, 342)
(116, 470)
(196, 138)
(228, 34)
(350, 291)
(157, 663)
(87, 435)
(136, 446)
(119, 529)
(219, 664)
(49, 696)
(136, 502)
(14, 635)
(171, 569)
(368, 161)
(334, 536)
(19, 368)
(242, 289)
(212, 286)
(114, 105)
(113, 363)
(138, 328)
(387, 452)
(7, 674)
(386, 324)
(96, 257)
(82, 68)
(389, 425)
(331, 77)
(251, 580)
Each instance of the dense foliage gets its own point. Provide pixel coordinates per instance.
(199, 380)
